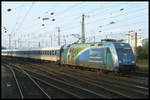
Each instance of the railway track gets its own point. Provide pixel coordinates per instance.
(105, 84)
(100, 87)
(116, 92)
(74, 91)
(27, 86)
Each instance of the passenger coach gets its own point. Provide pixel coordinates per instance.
(49, 53)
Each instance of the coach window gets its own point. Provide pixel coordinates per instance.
(54, 52)
(47, 52)
(50, 52)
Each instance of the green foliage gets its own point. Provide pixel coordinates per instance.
(142, 52)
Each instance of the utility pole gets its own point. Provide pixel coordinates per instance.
(18, 43)
(83, 32)
(94, 39)
(135, 45)
(64, 39)
(9, 41)
(58, 36)
(39, 44)
(15, 44)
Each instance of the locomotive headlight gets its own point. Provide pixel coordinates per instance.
(133, 61)
(120, 61)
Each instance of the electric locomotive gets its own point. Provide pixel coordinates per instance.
(105, 55)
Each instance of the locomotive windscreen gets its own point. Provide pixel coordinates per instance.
(125, 54)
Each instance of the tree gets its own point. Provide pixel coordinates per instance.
(142, 52)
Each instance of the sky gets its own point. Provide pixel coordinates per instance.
(24, 22)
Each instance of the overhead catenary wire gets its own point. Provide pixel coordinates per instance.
(25, 17)
(66, 28)
(131, 12)
(15, 25)
(64, 11)
(79, 16)
(70, 27)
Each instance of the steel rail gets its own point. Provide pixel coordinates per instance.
(81, 88)
(110, 83)
(70, 93)
(57, 87)
(115, 86)
(20, 91)
(34, 82)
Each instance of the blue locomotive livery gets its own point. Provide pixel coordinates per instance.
(105, 55)
(112, 56)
